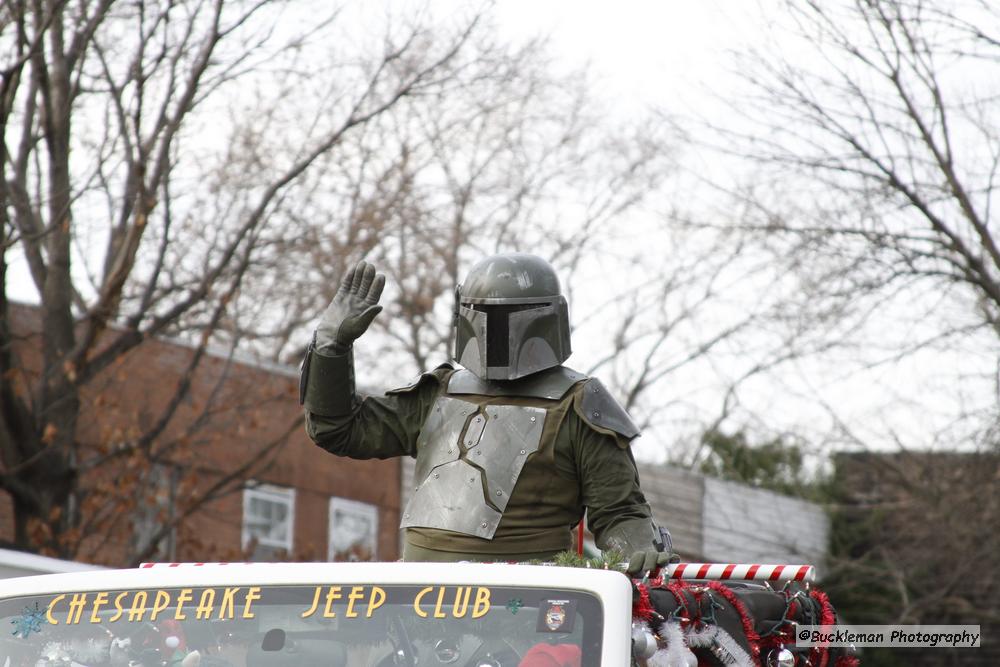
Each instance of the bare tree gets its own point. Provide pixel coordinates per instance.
(871, 130)
(871, 127)
(517, 159)
(139, 188)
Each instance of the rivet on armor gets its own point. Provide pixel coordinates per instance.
(595, 389)
(522, 452)
(483, 525)
(532, 419)
(499, 493)
(436, 476)
(596, 413)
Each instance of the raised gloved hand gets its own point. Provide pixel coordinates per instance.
(352, 310)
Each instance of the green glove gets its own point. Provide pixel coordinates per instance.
(641, 562)
(646, 548)
(352, 310)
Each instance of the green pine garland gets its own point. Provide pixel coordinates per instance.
(609, 560)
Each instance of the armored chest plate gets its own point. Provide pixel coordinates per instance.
(468, 461)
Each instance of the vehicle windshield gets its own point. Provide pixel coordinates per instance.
(303, 626)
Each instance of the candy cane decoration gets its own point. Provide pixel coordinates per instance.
(741, 571)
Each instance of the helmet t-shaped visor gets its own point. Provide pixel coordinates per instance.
(511, 319)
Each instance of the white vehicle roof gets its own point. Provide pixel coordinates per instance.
(161, 575)
(612, 588)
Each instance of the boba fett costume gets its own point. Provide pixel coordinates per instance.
(511, 448)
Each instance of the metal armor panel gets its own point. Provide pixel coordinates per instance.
(511, 434)
(467, 465)
(454, 501)
(438, 439)
(552, 383)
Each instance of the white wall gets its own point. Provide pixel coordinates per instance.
(752, 525)
(718, 521)
(20, 564)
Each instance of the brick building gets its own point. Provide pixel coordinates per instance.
(239, 420)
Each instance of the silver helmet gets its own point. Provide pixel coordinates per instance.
(511, 319)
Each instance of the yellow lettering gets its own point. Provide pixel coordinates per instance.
(52, 605)
(357, 592)
(416, 601)
(333, 593)
(119, 610)
(160, 602)
(482, 604)
(372, 604)
(437, 605)
(182, 597)
(459, 611)
(99, 600)
(315, 603)
(228, 601)
(206, 604)
(138, 607)
(253, 593)
(76, 605)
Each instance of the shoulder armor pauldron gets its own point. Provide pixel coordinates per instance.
(436, 375)
(599, 409)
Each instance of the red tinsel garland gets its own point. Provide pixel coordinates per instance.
(676, 589)
(781, 634)
(748, 628)
(820, 655)
(642, 609)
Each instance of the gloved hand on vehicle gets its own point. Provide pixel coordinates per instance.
(646, 547)
(352, 310)
(649, 561)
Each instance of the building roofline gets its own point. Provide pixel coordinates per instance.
(35, 562)
(215, 351)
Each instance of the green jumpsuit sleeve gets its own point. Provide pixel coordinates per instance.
(379, 427)
(607, 475)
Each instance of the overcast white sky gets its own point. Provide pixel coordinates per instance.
(678, 57)
(671, 55)
(666, 52)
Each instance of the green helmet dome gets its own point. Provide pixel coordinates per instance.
(511, 318)
(511, 276)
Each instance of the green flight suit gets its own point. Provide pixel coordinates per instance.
(577, 466)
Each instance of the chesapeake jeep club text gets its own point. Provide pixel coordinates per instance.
(237, 602)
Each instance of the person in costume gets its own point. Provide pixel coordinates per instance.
(511, 448)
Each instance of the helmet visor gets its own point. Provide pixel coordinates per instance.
(498, 343)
